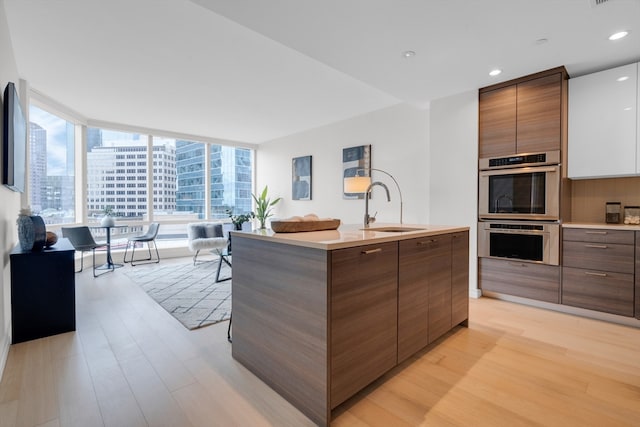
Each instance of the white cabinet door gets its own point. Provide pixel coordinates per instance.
(603, 123)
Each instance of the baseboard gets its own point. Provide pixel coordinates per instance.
(561, 308)
(4, 353)
(475, 293)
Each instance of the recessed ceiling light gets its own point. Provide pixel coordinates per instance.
(627, 109)
(408, 54)
(495, 72)
(623, 78)
(542, 41)
(618, 35)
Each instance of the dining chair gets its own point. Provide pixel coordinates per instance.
(82, 240)
(150, 239)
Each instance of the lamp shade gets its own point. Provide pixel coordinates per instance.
(357, 184)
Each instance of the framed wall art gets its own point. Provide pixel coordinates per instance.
(356, 160)
(301, 178)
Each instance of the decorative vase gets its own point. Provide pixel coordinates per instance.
(237, 226)
(39, 233)
(107, 221)
(26, 233)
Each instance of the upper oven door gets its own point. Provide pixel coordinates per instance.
(520, 193)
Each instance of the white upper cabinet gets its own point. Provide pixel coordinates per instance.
(603, 124)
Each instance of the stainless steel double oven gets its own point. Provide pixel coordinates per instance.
(519, 207)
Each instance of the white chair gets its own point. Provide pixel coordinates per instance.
(206, 236)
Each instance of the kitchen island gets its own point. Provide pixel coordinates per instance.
(320, 315)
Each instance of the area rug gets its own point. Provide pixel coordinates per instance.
(188, 292)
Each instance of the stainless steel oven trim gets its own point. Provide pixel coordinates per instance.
(552, 191)
(550, 233)
(552, 158)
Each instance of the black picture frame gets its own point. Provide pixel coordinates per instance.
(14, 141)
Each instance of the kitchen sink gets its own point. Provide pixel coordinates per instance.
(393, 229)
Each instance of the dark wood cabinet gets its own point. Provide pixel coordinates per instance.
(523, 279)
(433, 289)
(320, 324)
(525, 115)
(364, 315)
(43, 299)
(539, 114)
(438, 263)
(413, 298)
(637, 277)
(598, 270)
(459, 277)
(497, 121)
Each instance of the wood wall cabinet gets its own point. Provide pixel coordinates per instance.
(43, 292)
(524, 115)
(603, 122)
(364, 313)
(523, 279)
(598, 270)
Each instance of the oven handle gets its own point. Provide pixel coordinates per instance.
(519, 170)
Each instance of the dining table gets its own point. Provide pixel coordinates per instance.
(109, 265)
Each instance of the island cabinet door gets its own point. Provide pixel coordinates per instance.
(364, 304)
(459, 277)
(413, 297)
(439, 278)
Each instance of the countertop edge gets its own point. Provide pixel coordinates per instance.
(348, 236)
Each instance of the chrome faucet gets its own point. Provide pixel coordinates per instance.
(367, 218)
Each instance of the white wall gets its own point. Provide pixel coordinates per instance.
(10, 205)
(399, 143)
(453, 167)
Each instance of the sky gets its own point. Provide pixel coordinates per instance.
(56, 141)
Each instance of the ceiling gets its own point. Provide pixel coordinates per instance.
(254, 70)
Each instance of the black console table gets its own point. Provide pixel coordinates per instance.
(43, 292)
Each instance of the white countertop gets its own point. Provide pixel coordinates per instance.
(349, 235)
(601, 225)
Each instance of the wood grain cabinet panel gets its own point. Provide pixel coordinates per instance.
(439, 278)
(622, 237)
(459, 278)
(413, 298)
(534, 281)
(364, 304)
(637, 280)
(599, 256)
(539, 114)
(525, 115)
(608, 292)
(497, 121)
(598, 269)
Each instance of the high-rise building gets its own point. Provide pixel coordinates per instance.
(37, 165)
(117, 177)
(231, 179)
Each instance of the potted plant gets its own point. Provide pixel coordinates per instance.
(263, 206)
(107, 220)
(238, 220)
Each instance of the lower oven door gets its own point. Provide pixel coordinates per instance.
(524, 241)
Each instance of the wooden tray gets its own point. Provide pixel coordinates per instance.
(299, 226)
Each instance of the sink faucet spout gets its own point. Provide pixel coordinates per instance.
(367, 218)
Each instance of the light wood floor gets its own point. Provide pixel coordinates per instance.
(131, 364)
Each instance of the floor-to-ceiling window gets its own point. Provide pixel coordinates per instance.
(51, 167)
(167, 180)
